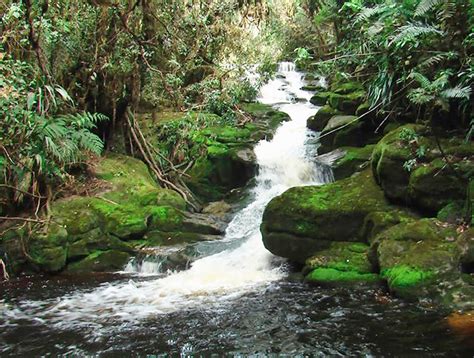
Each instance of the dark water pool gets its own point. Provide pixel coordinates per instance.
(283, 319)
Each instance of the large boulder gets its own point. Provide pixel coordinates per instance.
(341, 263)
(227, 160)
(411, 169)
(321, 118)
(304, 220)
(425, 259)
(354, 160)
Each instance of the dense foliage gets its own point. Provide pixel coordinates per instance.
(63, 61)
(414, 57)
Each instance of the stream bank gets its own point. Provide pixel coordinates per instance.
(399, 213)
(127, 214)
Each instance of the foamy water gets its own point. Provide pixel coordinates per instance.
(213, 280)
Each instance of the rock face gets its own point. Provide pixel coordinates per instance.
(354, 160)
(425, 258)
(321, 118)
(424, 181)
(229, 161)
(304, 220)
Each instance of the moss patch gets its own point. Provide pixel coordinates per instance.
(340, 263)
(331, 212)
(355, 159)
(402, 276)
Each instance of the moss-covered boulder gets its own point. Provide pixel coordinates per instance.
(343, 96)
(411, 169)
(341, 263)
(100, 232)
(434, 185)
(347, 103)
(47, 248)
(321, 118)
(320, 98)
(341, 131)
(304, 220)
(346, 87)
(94, 240)
(100, 261)
(378, 221)
(423, 259)
(354, 160)
(228, 161)
(388, 159)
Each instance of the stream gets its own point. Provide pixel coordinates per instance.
(236, 299)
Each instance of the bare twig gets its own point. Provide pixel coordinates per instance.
(4, 269)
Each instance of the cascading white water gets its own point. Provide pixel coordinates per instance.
(283, 163)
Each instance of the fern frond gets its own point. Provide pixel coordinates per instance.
(426, 5)
(457, 92)
(412, 31)
(435, 59)
(368, 12)
(421, 79)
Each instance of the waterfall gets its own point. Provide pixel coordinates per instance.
(283, 162)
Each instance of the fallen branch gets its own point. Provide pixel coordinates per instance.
(4, 269)
(146, 152)
(22, 191)
(16, 218)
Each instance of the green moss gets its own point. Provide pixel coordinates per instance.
(76, 214)
(321, 118)
(434, 185)
(402, 276)
(347, 87)
(48, 250)
(320, 98)
(417, 255)
(331, 212)
(100, 261)
(330, 275)
(93, 241)
(353, 160)
(388, 158)
(453, 212)
(378, 221)
(165, 218)
(342, 256)
(217, 150)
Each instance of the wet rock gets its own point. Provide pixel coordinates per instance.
(321, 118)
(341, 263)
(217, 208)
(203, 224)
(303, 220)
(101, 261)
(354, 160)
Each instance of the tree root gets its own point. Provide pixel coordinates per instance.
(146, 152)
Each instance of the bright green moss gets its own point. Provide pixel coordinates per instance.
(331, 275)
(404, 276)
